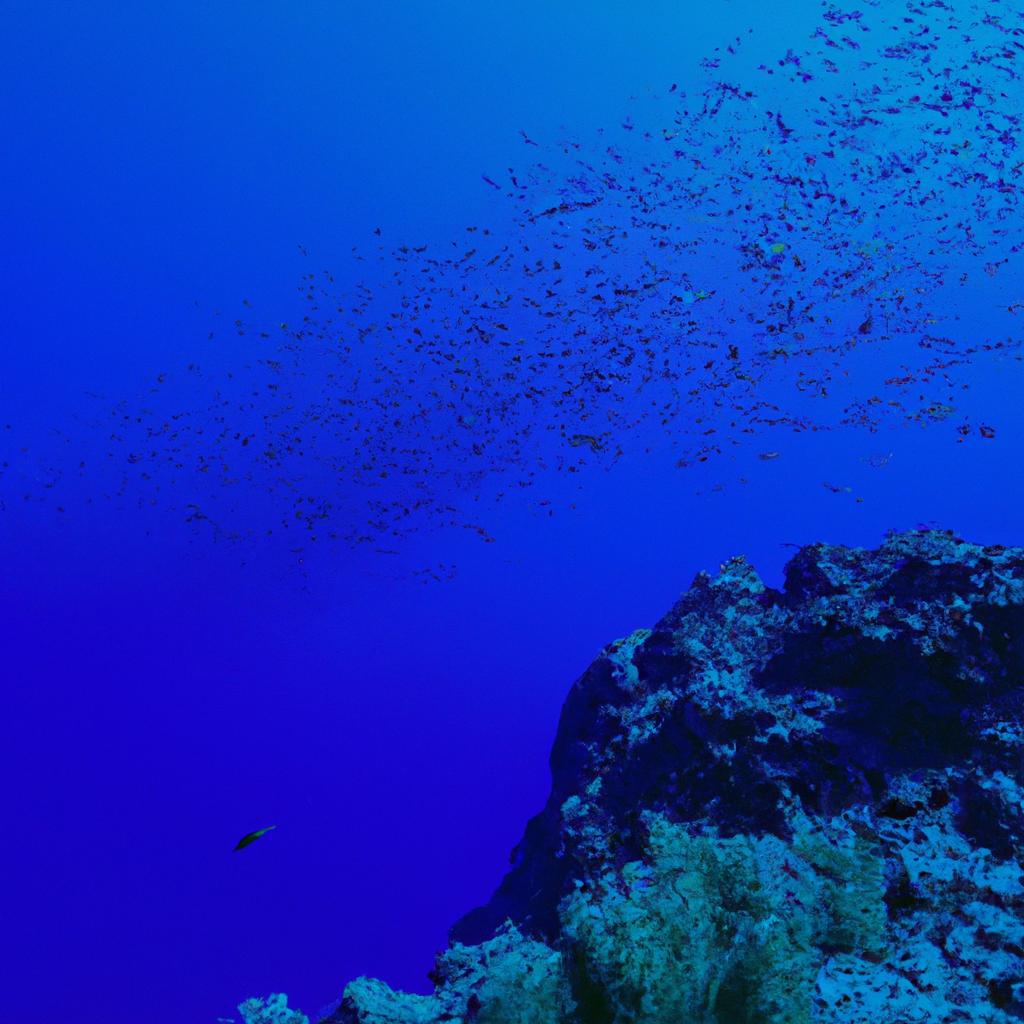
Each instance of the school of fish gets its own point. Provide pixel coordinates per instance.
(793, 247)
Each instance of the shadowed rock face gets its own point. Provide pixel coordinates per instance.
(866, 664)
(833, 772)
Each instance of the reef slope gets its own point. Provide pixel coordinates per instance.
(773, 806)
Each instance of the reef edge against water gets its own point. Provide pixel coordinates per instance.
(779, 806)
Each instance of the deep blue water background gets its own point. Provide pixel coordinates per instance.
(159, 698)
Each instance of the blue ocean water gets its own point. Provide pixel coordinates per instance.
(183, 663)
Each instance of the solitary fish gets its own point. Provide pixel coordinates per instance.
(253, 836)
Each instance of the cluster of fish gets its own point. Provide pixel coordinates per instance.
(787, 248)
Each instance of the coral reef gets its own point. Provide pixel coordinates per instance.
(779, 807)
(270, 1011)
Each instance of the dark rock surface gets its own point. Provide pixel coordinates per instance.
(795, 805)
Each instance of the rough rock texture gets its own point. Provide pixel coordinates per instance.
(273, 1010)
(773, 806)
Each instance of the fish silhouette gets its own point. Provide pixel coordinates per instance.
(251, 837)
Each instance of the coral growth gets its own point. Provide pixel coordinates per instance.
(780, 807)
(270, 1011)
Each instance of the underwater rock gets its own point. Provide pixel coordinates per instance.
(774, 806)
(270, 1011)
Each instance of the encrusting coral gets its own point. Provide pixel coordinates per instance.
(776, 806)
(270, 1011)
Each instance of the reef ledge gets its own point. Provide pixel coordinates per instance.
(774, 806)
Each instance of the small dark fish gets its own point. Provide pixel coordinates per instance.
(253, 836)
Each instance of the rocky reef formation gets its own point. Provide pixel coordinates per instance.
(778, 807)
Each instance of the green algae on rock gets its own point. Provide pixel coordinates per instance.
(779, 807)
